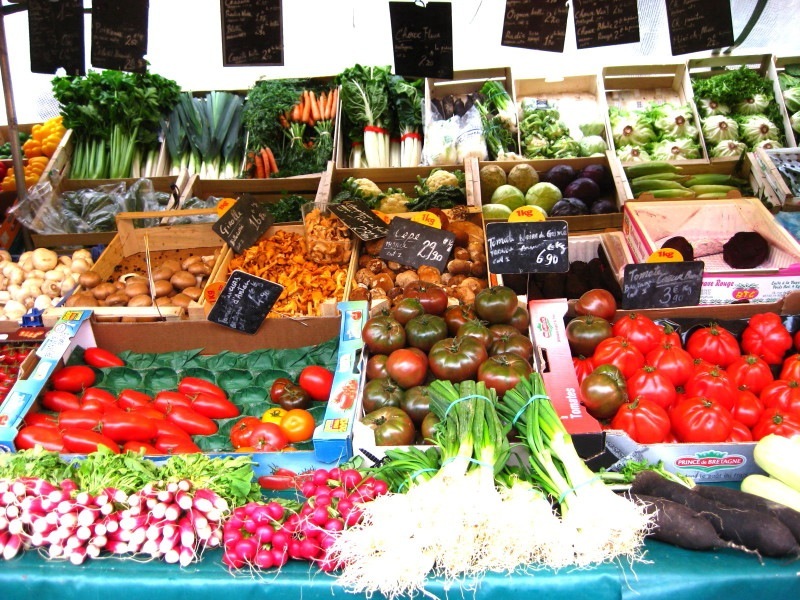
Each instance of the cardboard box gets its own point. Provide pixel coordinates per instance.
(635, 86)
(763, 64)
(584, 223)
(708, 225)
(332, 437)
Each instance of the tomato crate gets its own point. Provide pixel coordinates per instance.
(331, 442)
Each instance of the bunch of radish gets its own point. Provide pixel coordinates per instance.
(172, 521)
(264, 535)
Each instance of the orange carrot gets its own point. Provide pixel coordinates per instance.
(270, 159)
(260, 170)
(323, 105)
(316, 114)
(297, 113)
(335, 102)
(284, 123)
(306, 107)
(250, 164)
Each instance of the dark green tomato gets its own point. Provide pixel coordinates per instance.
(478, 330)
(293, 396)
(408, 367)
(424, 331)
(417, 403)
(432, 296)
(456, 315)
(501, 329)
(585, 332)
(521, 320)
(496, 304)
(456, 359)
(602, 394)
(383, 334)
(391, 426)
(517, 343)
(381, 392)
(376, 366)
(502, 372)
(428, 429)
(406, 309)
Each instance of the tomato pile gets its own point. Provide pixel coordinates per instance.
(422, 338)
(264, 535)
(708, 385)
(11, 357)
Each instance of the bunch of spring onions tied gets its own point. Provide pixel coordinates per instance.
(448, 516)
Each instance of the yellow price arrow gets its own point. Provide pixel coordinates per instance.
(427, 218)
(527, 213)
(665, 255)
(224, 204)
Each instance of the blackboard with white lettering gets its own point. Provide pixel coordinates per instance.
(603, 23)
(535, 24)
(245, 302)
(422, 37)
(697, 25)
(528, 247)
(243, 223)
(662, 284)
(252, 32)
(414, 244)
(360, 219)
(55, 33)
(119, 34)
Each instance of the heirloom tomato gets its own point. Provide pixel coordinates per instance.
(521, 319)
(750, 371)
(456, 359)
(292, 396)
(790, 368)
(391, 426)
(376, 366)
(496, 304)
(583, 366)
(672, 361)
(501, 372)
(432, 297)
(268, 437)
(298, 425)
(417, 403)
(584, 333)
(382, 334)
(712, 383)
(517, 344)
(428, 430)
(407, 309)
(242, 431)
(273, 415)
(747, 407)
(640, 330)
(783, 394)
(778, 421)
(456, 315)
(424, 331)
(620, 352)
(604, 391)
(766, 336)
(381, 392)
(649, 383)
(740, 433)
(407, 368)
(475, 328)
(644, 421)
(714, 344)
(701, 420)
(597, 302)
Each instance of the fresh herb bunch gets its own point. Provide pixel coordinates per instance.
(287, 209)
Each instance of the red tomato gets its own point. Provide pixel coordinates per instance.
(669, 335)
(583, 366)
(166, 427)
(672, 361)
(317, 381)
(38, 418)
(215, 407)
(30, 436)
(620, 352)
(701, 420)
(644, 421)
(99, 396)
(85, 441)
(790, 369)
(74, 378)
(640, 329)
(84, 418)
(129, 398)
(242, 431)
(140, 448)
(99, 357)
(123, 426)
(165, 399)
(407, 368)
(649, 383)
(191, 421)
(598, 302)
(269, 437)
(715, 344)
(767, 337)
(57, 400)
(175, 444)
(714, 384)
(740, 433)
(750, 371)
(195, 385)
(747, 407)
(783, 394)
(777, 421)
(148, 411)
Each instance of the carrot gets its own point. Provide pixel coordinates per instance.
(297, 112)
(260, 169)
(334, 102)
(316, 114)
(306, 107)
(250, 164)
(270, 159)
(323, 105)
(284, 123)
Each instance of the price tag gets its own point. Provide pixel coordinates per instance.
(422, 39)
(245, 302)
(535, 24)
(252, 32)
(119, 35)
(527, 213)
(360, 219)
(698, 25)
(662, 284)
(224, 204)
(56, 32)
(413, 244)
(428, 218)
(528, 247)
(243, 223)
(213, 291)
(665, 255)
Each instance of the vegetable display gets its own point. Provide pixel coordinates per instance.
(662, 131)
(661, 179)
(789, 81)
(545, 134)
(38, 148)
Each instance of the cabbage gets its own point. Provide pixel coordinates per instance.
(754, 105)
(711, 107)
(674, 122)
(592, 128)
(629, 129)
(795, 120)
(632, 154)
(727, 148)
(592, 144)
(534, 146)
(758, 128)
(768, 145)
(564, 147)
(718, 128)
(792, 99)
(679, 149)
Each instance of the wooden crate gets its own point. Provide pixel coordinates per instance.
(768, 162)
(582, 223)
(633, 86)
(137, 249)
(763, 64)
(780, 65)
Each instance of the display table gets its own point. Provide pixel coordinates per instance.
(671, 574)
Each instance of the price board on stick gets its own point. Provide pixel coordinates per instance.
(528, 247)
(422, 39)
(252, 32)
(245, 302)
(535, 24)
(603, 23)
(119, 35)
(414, 244)
(360, 219)
(56, 36)
(697, 25)
(662, 284)
(243, 223)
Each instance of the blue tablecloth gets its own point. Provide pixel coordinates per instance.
(667, 573)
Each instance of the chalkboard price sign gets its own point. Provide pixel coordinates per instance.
(697, 25)
(422, 37)
(56, 36)
(245, 302)
(603, 23)
(535, 24)
(414, 244)
(119, 34)
(252, 32)
(528, 247)
(662, 284)
(243, 223)
(360, 219)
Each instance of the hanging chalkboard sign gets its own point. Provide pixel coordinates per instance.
(535, 24)
(55, 33)
(422, 37)
(243, 223)
(697, 25)
(119, 34)
(245, 302)
(528, 247)
(662, 284)
(414, 244)
(360, 219)
(252, 32)
(604, 23)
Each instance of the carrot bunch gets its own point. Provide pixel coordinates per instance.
(311, 108)
(261, 163)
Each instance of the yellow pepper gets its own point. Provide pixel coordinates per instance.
(32, 148)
